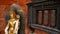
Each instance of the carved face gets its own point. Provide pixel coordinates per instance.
(12, 14)
(18, 16)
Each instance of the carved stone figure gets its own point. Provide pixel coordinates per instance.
(15, 20)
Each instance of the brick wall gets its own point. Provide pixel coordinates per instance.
(2, 18)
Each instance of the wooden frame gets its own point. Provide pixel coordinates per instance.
(33, 7)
